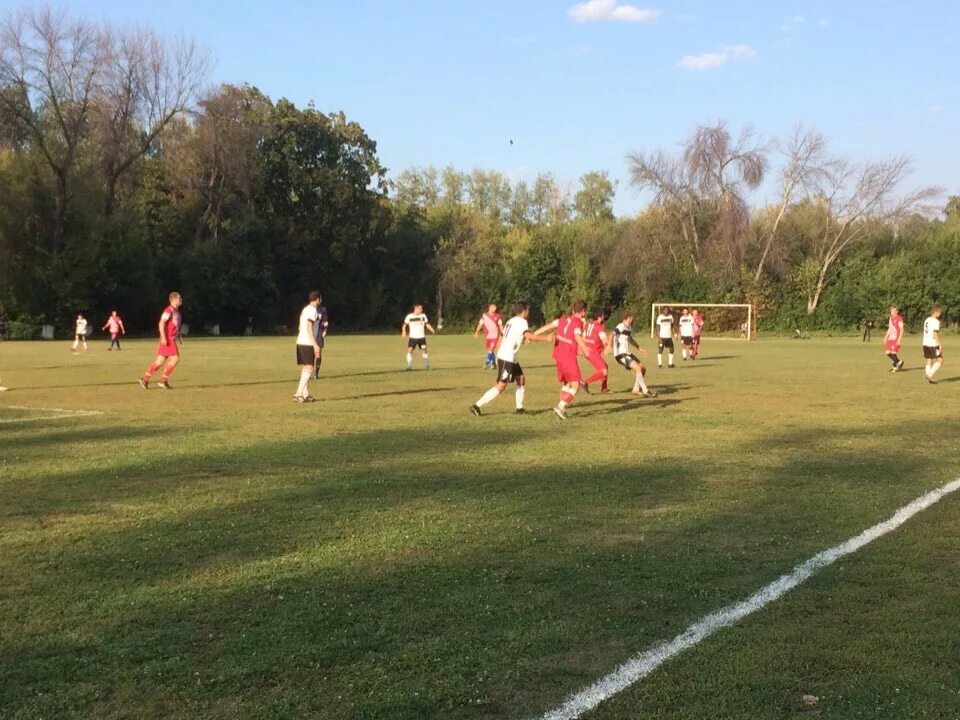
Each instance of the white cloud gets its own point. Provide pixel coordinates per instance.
(711, 60)
(611, 11)
(792, 24)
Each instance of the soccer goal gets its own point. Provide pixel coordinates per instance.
(724, 318)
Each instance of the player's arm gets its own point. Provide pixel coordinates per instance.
(325, 325)
(429, 327)
(123, 330)
(552, 325)
(105, 325)
(578, 337)
(403, 329)
(533, 337)
(162, 328)
(479, 326)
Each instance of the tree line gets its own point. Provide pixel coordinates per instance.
(123, 176)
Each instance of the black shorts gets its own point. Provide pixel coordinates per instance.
(628, 361)
(508, 372)
(417, 342)
(305, 355)
(687, 340)
(932, 353)
(665, 343)
(81, 337)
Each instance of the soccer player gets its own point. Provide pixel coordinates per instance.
(308, 349)
(417, 323)
(320, 327)
(492, 325)
(697, 329)
(115, 323)
(79, 333)
(515, 332)
(623, 341)
(168, 354)
(893, 338)
(932, 346)
(687, 329)
(665, 323)
(569, 341)
(596, 339)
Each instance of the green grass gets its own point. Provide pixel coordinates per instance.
(220, 552)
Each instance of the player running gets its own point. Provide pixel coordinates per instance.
(623, 341)
(687, 329)
(308, 349)
(697, 329)
(417, 323)
(515, 332)
(596, 339)
(569, 341)
(665, 322)
(893, 339)
(320, 327)
(932, 345)
(115, 325)
(492, 325)
(168, 354)
(79, 333)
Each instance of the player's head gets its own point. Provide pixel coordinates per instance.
(491, 308)
(666, 310)
(695, 311)
(894, 310)
(579, 307)
(313, 298)
(521, 308)
(113, 313)
(418, 308)
(935, 311)
(176, 300)
(597, 316)
(628, 318)
(686, 311)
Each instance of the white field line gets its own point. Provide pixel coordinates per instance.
(62, 414)
(641, 665)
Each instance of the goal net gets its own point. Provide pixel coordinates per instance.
(720, 319)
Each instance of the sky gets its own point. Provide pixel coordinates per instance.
(577, 86)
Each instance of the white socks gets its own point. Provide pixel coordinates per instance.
(409, 359)
(931, 370)
(489, 396)
(670, 359)
(521, 391)
(303, 388)
(640, 384)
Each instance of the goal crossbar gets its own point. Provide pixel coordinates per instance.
(656, 306)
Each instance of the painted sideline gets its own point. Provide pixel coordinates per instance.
(639, 666)
(62, 414)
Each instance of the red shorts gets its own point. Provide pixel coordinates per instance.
(491, 343)
(892, 346)
(168, 350)
(568, 370)
(597, 361)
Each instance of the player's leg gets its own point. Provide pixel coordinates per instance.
(317, 362)
(489, 361)
(670, 353)
(660, 350)
(411, 344)
(83, 338)
(76, 342)
(425, 355)
(521, 392)
(168, 367)
(151, 369)
(599, 373)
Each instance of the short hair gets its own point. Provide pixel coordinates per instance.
(314, 295)
(520, 307)
(935, 308)
(578, 306)
(627, 314)
(174, 296)
(597, 314)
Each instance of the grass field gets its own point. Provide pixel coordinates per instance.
(218, 551)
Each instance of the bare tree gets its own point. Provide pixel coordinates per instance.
(55, 64)
(146, 83)
(856, 198)
(703, 188)
(803, 169)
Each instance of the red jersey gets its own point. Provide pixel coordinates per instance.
(113, 324)
(697, 325)
(567, 332)
(595, 338)
(895, 328)
(172, 328)
(491, 325)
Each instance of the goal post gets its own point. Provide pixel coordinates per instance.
(656, 307)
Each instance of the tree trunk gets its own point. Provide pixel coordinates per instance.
(61, 199)
(814, 299)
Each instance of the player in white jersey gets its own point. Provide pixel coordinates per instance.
(308, 350)
(665, 333)
(414, 328)
(687, 328)
(515, 333)
(932, 346)
(80, 333)
(623, 344)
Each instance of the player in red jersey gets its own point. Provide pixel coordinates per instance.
(596, 339)
(569, 342)
(168, 354)
(697, 329)
(891, 343)
(115, 323)
(492, 325)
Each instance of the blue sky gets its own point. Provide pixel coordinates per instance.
(578, 86)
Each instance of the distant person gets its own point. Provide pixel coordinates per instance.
(932, 346)
(894, 337)
(415, 325)
(596, 339)
(168, 354)
(320, 328)
(79, 333)
(665, 333)
(743, 331)
(623, 343)
(698, 322)
(687, 329)
(515, 333)
(308, 349)
(492, 325)
(115, 325)
(867, 330)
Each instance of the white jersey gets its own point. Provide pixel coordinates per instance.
(512, 339)
(665, 324)
(308, 317)
(687, 326)
(621, 339)
(930, 326)
(418, 325)
(81, 326)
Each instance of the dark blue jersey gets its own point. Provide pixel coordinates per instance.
(322, 321)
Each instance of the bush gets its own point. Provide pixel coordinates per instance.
(23, 330)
